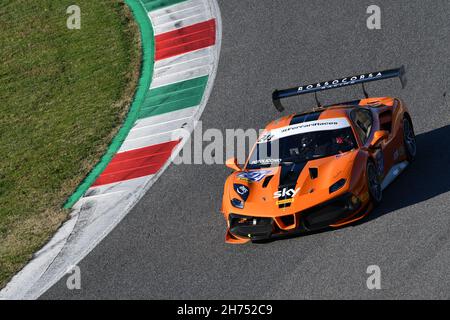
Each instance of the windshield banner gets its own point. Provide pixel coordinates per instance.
(311, 126)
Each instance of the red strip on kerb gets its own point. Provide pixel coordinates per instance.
(184, 40)
(136, 163)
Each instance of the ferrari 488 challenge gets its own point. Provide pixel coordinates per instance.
(324, 168)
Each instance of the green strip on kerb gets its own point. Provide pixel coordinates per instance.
(151, 5)
(173, 97)
(148, 61)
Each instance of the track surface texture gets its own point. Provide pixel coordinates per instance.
(172, 244)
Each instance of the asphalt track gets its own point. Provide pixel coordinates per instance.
(172, 244)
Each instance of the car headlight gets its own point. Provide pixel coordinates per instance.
(237, 203)
(338, 185)
(242, 190)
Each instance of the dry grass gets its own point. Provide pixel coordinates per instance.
(64, 95)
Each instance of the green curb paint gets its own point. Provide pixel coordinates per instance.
(151, 5)
(174, 97)
(148, 50)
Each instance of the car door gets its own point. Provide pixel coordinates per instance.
(390, 146)
(365, 126)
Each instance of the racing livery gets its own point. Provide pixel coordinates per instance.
(324, 168)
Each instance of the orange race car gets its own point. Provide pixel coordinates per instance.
(323, 168)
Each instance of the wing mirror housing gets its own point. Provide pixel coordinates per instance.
(233, 164)
(378, 137)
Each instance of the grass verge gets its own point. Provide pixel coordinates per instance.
(64, 94)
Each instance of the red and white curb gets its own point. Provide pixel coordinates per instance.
(186, 54)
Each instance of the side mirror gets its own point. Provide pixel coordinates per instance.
(378, 136)
(232, 164)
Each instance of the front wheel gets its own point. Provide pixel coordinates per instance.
(409, 140)
(373, 182)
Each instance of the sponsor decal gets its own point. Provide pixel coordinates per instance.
(286, 193)
(253, 176)
(340, 82)
(288, 181)
(285, 201)
(265, 161)
(310, 126)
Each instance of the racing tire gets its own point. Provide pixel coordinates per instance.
(409, 140)
(374, 184)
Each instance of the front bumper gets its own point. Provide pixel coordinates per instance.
(251, 228)
(318, 217)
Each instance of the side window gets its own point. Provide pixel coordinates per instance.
(362, 118)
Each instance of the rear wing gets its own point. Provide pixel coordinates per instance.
(337, 83)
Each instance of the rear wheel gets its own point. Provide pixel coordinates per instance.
(409, 140)
(373, 182)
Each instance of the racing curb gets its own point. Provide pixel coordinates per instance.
(181, 41)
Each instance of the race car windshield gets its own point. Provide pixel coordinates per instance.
(302, 147)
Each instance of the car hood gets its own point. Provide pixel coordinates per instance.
(288, 189)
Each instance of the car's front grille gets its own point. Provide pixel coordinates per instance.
(288, 220)
(328, 213)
